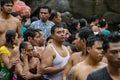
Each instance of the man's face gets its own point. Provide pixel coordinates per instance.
(113, 54)
(35, 40)
(96, 51)
(78, 42)
(42, 39)
(44, 14)
(59, 35)
(7, 8)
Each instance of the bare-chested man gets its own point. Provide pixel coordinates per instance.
(7, 21)
(56, 55)
(91, 63)
(80, 43)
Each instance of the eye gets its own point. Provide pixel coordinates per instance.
(114, 51)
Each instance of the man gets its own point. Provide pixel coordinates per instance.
(112, 53)
(7, 21)
(92, 61)
(80, 43)
(56, 55)
(44, 24)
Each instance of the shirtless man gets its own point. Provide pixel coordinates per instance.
(91, 63)
(80, 43)
(7, 21)
(112, 53)
(56, 55)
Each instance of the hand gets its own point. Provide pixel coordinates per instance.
(24, 54)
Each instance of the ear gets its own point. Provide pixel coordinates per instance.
(29, 38)
(88, 49)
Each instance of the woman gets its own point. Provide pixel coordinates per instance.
(7, 61)
(29, 67)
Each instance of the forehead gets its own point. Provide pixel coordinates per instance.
(59, 29)
(114, 46)
(8, 3)
(43, 10)
(97, 43)
(29, 46)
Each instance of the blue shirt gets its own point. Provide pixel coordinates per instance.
(44, 26)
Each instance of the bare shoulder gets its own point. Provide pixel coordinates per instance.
(48, 51)
(76, 54)
(15, 19)
(102, 64)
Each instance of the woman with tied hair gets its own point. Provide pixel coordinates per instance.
(29, 67)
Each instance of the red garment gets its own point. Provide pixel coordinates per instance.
(23, 9)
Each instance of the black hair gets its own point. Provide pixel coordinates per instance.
(118, 27)
(55, 27)
(50, 37)
(29, 33)
(102, 23)
(23, 45)
(45, 7)
(10, 34)
(53, 14)
(113, 38)
(94, 18)
(15, 14)
(34, 18)
(83, 22)
(85, 32)
(91, 40)
(71, 38)
(74, 24)
(3, 2)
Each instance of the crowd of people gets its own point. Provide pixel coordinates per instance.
(49, 49)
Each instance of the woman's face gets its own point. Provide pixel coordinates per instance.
(29, 50)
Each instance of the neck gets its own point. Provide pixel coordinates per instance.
(90, 61)
(9, 45)
(4, 15)
(113, 71)
(58, 44)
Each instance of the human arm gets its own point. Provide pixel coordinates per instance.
(9, 64)
(67, 68)
(71, 75)
(47, 61)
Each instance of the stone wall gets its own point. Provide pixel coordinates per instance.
(108, 9)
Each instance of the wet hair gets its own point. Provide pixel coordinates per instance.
(113, 38)
(74, 24)
(23, 45)
(55, 27)
(53, 14)
(102, 23)
(3, 2)
(85, 32)
(71, 38)
(94, 18)
(10, 34)
(83, 22)
(50, 37)
(29, 33)
(34, 18)
(45, 7)
(15, 14)
(91, 40)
